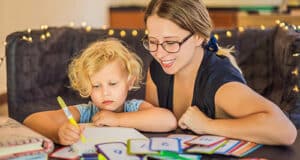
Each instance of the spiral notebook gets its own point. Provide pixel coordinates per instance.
(18, 140)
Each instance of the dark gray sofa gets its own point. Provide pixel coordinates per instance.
(37, 64)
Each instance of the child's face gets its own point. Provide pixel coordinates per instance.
(110, 87)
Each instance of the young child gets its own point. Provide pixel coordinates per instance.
(105, 72)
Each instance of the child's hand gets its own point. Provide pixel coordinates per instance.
(69, 134)
(194, 120)
(106, 118)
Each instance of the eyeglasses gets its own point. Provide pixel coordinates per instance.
(151, 44)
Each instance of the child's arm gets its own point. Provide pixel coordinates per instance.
(49, 123)
(147, 118)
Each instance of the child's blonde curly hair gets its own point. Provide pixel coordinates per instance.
(95, 57)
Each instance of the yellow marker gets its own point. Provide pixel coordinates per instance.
(69, 116)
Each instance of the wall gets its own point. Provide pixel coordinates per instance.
(16, 15)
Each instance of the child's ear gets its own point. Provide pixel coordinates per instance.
(131, 80)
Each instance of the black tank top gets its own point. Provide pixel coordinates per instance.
(214, 71)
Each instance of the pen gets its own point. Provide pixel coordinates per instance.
(92, 156)
(64, 107)
(172, 155)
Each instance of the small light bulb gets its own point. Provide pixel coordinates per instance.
(122, 33)
(111, 32)
(241, 29)
(71, 24)
(295, 72)
(83, 24)
(228, 34)
(43, 37)
(134, 33)
(48, 34)
(296, 89)
(216, 36)
(296, 54)
(88, 28)
(104, 26)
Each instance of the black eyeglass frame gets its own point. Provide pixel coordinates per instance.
(145, 42)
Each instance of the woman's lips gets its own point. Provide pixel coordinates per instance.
(167, 63)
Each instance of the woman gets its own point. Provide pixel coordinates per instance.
(205, 91)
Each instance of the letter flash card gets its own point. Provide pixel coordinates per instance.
(139, 146)
(165, 144)
(115, 150)
(206, 140)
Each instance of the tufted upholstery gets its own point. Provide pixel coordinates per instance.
(36, 70)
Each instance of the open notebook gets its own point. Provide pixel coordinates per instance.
(95, 135)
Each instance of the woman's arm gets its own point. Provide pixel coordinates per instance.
(47, 123)
(255, 118)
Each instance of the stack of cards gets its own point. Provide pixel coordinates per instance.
(174, 146)
(191, 144)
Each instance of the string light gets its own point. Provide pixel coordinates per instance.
(4, 43)
(262, 27)
(277, 21)
(29, 30)
(216, 36)
(241, 29)
(44, 27)
(104, 26)
(282, 24)
(146, 32)
(286, 28)
(48, 34)
(296, 54)
(134, 33)
(88, 28)
(43, 37)
(295, 72)
(122, 33)
(228, 34)
(111, 32)
(28, 39)
(71, 24)
(83, 24)
(296, 89)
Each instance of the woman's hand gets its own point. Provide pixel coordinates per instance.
(69, 134)
(193, 119)
(106, 118)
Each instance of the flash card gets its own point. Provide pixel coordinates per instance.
(227, 147)
(165, 144)
(206, 140)
(115, 150)
(183, 138)
(139, 146)
(205, 149)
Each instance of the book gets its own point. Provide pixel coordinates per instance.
(17, 140)
(95, 135)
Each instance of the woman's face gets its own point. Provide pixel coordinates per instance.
(165, 31)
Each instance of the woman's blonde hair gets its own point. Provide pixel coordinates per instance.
(191, 15)
(95, 57)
